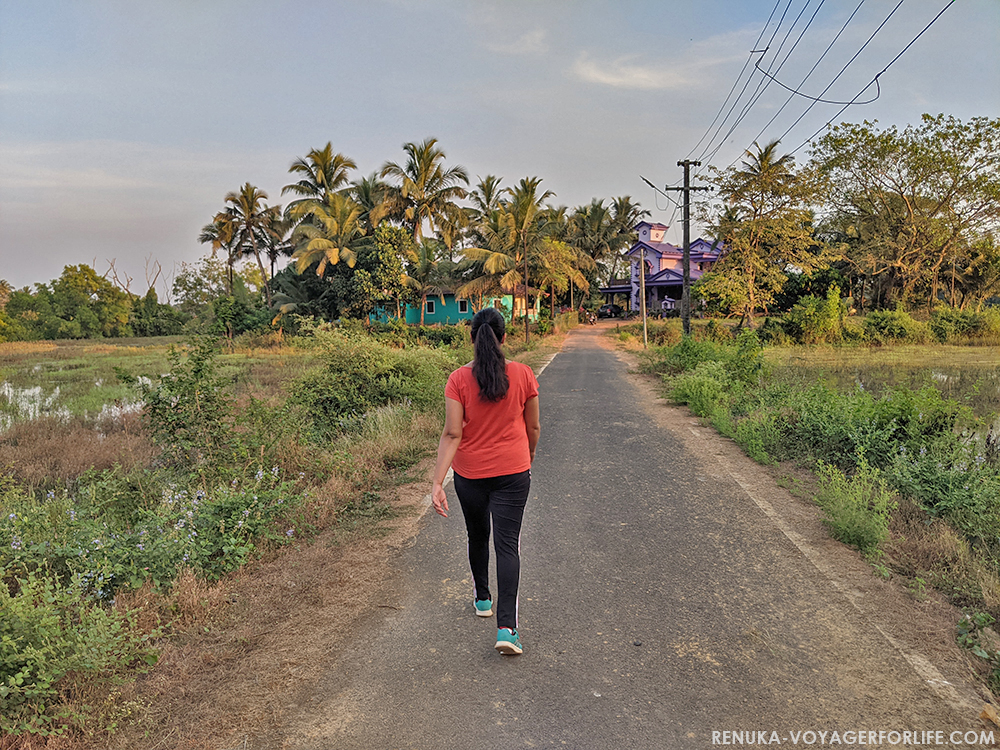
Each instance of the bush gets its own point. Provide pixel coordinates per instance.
(359, 375)
(815, 320)
(893, 326)
(702, 389)
(857, 507)
(49, 634)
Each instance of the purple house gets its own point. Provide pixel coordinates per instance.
(664, 268)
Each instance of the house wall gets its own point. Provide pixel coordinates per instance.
(446, 314)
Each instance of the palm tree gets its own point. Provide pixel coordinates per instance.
(334, 233)
(220, 235)
(513, 237)
(253, 225)
(486, 196)
(560, 267)
(322, 170)
(373, 196)
(625, 215)
(530, 225)
(426, 189)
(422, 274)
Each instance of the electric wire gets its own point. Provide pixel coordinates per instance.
(743, 90)
(736, 82)
(843, 70)
(875, 79)
(762, 85)
(802, 82)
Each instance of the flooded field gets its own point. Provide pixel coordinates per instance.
(970, 375)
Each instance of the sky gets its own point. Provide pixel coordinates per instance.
(124, 124)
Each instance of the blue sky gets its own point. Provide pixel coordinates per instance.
(123, 124)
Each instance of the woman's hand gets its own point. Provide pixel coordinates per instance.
(439, 499)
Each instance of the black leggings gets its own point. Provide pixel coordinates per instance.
(503, 498)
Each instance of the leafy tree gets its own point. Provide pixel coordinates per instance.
(910, 207)
(150, 318)
(765, 228)
(426, 191)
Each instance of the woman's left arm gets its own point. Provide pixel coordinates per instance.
(532, 424)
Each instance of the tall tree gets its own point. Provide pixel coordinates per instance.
(422, 274)
(334, 233)
(427, 191)
(910, 206)
(373, 197)
(321, 171)
(252, 223)
(765, 225)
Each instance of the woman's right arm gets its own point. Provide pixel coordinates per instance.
(532, 424)
(451, 436)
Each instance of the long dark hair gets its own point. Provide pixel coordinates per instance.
(489, 366)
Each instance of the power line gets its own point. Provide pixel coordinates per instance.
(877, 75)
(842, 70)
(747, 83)
(762, 86)
(736, 82)
(802, 82)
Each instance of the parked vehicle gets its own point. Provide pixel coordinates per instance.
(609, 311)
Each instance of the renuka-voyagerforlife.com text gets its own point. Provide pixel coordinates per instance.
(854, 737)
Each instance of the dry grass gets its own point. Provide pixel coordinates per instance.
(20, 348)
(924, 547)
(49, 450)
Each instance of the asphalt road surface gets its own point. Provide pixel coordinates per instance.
(658, 605)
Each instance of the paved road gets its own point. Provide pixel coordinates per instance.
(658, 604)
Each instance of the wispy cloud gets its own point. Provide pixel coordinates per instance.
(529, 43)
(626, 73)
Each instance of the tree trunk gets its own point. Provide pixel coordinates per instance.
(423, 306)
(263, 271)
(552, 302)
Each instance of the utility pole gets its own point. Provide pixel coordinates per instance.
(642, 297)
(686, 289)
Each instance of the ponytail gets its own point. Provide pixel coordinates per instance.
(489, 366)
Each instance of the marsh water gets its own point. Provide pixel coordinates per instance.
(969, 375)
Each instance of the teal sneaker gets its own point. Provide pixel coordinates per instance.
(508, 642)
(484, 607)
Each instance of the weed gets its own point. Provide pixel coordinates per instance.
(857, 507)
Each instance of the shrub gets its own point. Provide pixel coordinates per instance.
(747, 362)
(702, 389)
(761, 434)
(885, 326)
(359, 375)
(50, 634)
(815, 320)
(857, 507)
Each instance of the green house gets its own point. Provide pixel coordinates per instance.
(452, 310)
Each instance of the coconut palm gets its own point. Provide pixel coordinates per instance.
(422, 274)
(426, 190)
(253, 225)
(373, 196)
(486, 196)
(323, 171)
(333, 234)
(220, 235)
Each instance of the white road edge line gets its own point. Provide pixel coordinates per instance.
(924, 669)
(545, 364)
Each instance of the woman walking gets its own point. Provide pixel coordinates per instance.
(491, 429)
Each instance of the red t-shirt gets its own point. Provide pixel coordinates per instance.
(494, 437)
